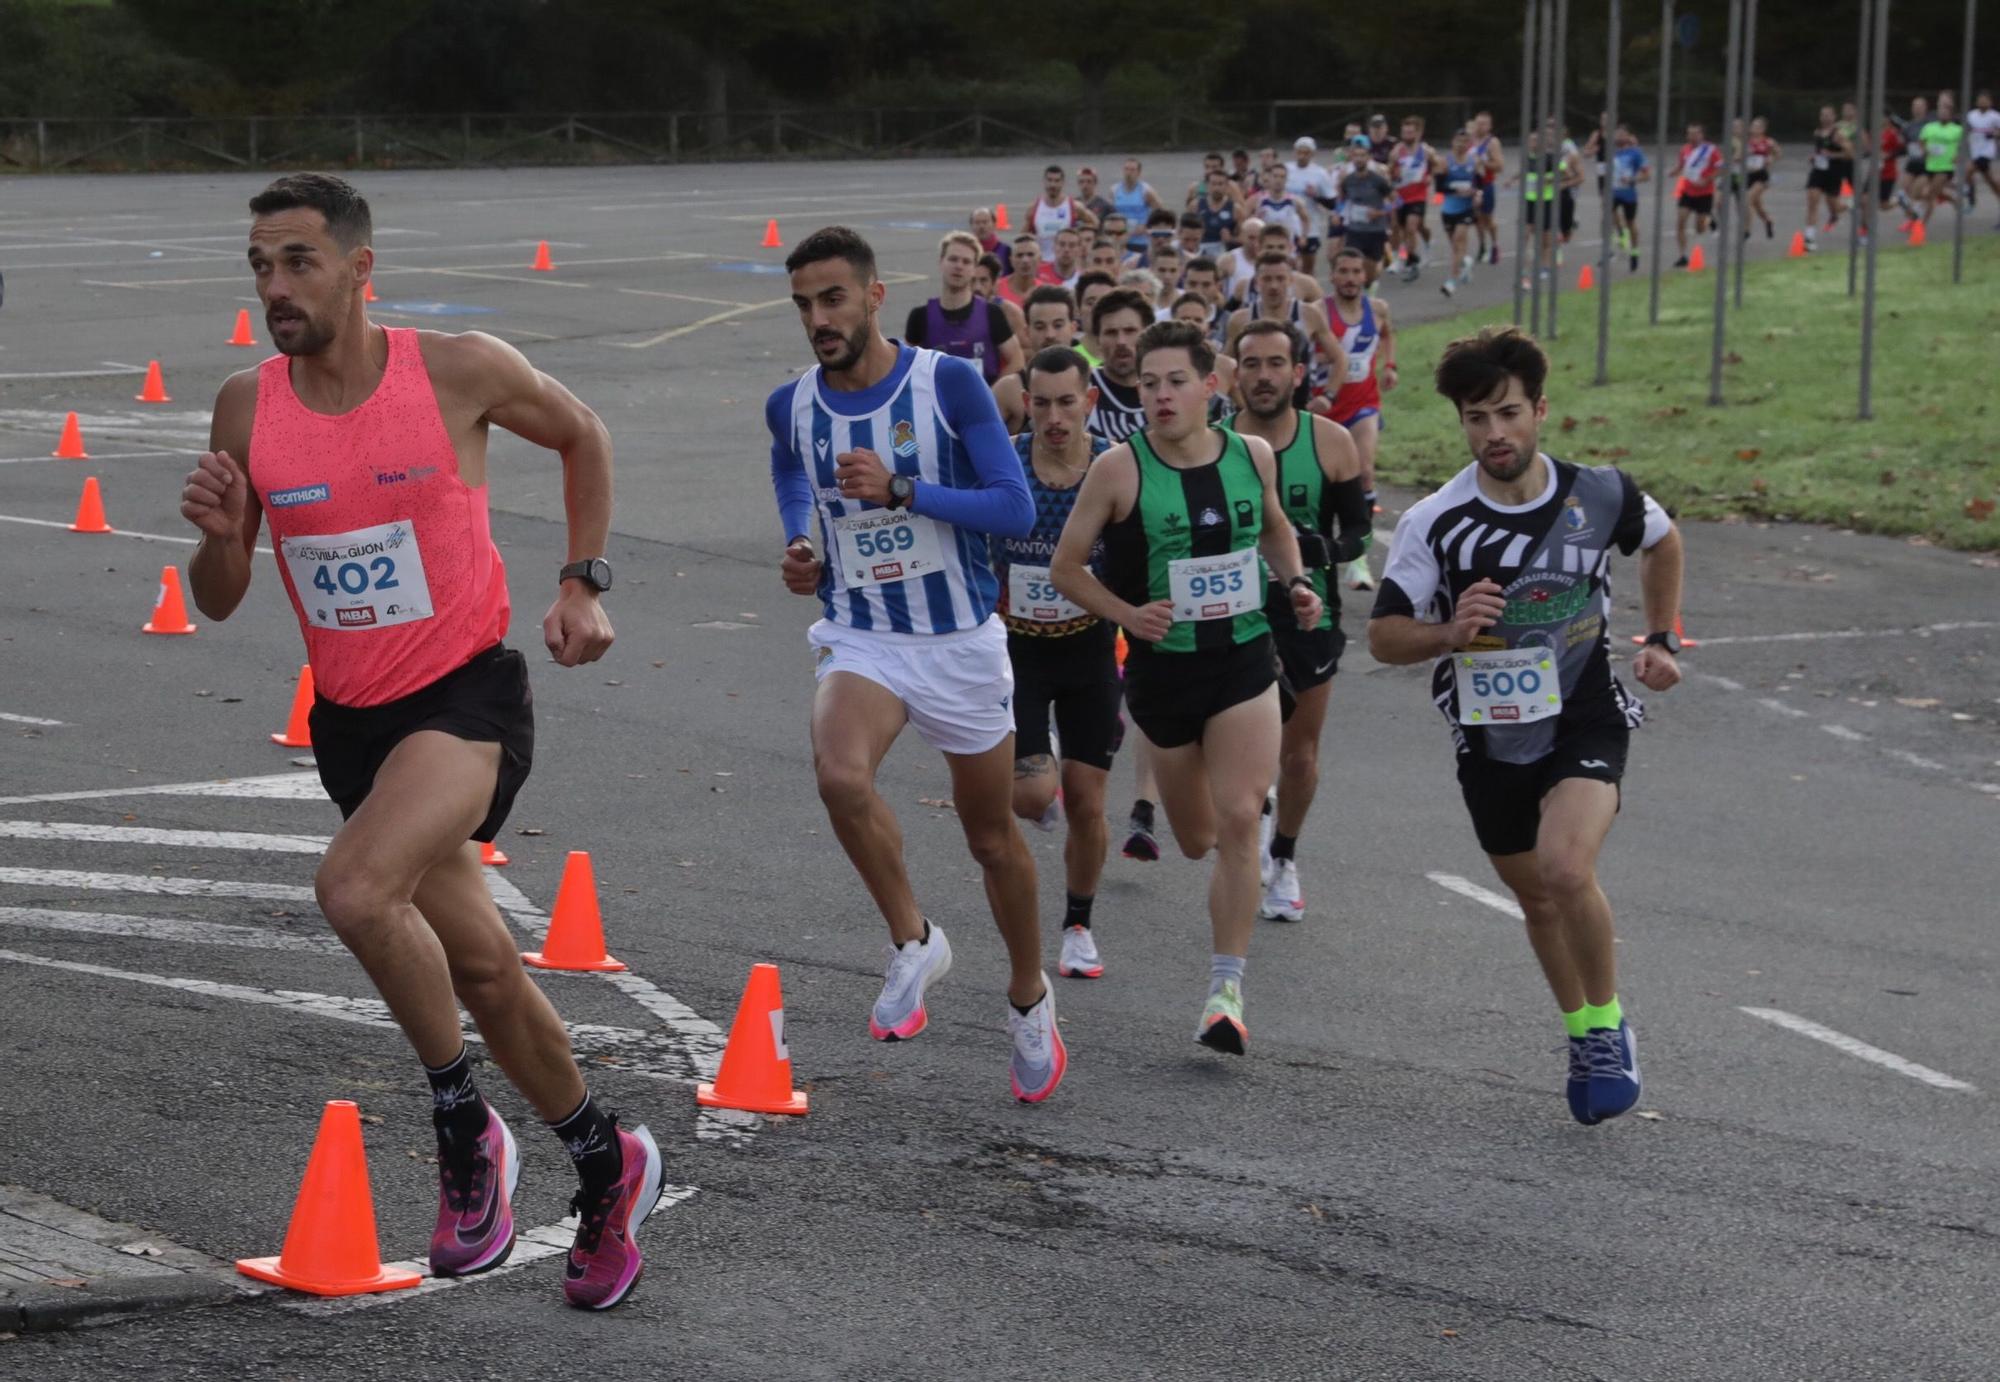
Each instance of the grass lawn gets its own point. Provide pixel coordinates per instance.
(1786, 444)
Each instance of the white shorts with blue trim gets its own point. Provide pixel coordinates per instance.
(957, 688)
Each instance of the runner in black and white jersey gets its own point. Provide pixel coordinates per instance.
(1115, 323)
(1500, 578)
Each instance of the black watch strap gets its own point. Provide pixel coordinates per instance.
(1664, 638)
(594, 572)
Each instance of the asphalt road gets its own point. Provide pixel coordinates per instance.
(1387, 1187)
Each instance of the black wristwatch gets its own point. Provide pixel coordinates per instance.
(902, 489)
(594, 572)
(1301, 580)
(1667, 639)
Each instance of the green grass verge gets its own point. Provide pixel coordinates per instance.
(1786, 444)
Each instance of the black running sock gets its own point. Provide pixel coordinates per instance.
(1142, 814)
(1282, 846)
(1079, 911)
(456, 1108)
(925, 939)
(590, 1136)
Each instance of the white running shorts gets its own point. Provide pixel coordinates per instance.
(957, 688)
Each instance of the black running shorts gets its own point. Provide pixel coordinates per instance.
(1505, 799)
(1700, 206)
(487, 701)
(1173, 696)
(1307, 657)
(1076, 676)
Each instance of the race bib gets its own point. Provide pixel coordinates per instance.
(1461, 186)
(1821, 161)
(1507, 686)
(1215, 587)
(884, 545)
(1358, 367)
(1032, 596)
(1755, 162)
(370, 578)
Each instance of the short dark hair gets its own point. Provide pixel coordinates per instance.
(1185, 298)
(1265, 326)
(834, 242)
(1055, 168)
(1047, 293)
(1274, 228)
(1269, 257)
(348, 219)
(1349, 252)
(1477, 368)
(1160, 216)
(1191, 220)
(1120, 300)
(1201, 261)
(1172, 335)
(990, 263)
(1058, 360)
(1028, 237)
(1239, 153)
(1091, 280)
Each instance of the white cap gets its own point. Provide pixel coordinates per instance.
(1306, 142)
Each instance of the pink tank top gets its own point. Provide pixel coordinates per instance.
(387, 554)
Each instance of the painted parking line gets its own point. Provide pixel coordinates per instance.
(1859, 1049)
(1465, 887)
(1842, 732)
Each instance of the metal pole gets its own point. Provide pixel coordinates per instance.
(1854, 212)
(1544, 79)
(1527, 123)
(1748, 105)
(1660, 167)
(1607, 151)
(1961, 167)
(1731, 74)
(1556, 111)
(1865, 411)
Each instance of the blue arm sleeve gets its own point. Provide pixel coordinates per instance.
(1000, 504)
(788, 471)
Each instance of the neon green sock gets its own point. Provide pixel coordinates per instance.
(1575, 1022)
(1598, 1016)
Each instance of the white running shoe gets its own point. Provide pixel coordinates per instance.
(1358, 575)
(1080, 959)
(1267, 826)
(1051, 818)
(913, 967)
(1040, 1058)
(1448, 287)
(1282, 901)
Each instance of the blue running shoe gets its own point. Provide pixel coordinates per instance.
(1578, 1085)
(1613, 1058)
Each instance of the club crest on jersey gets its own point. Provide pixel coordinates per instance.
(903, 438)
(1209, 518)
(1573, 514)
(1246, 513)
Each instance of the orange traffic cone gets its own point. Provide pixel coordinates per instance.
(70, 447)
(241, 335)
(771, 240)
(543, 264)
(298, 727)
(90, 510)
(756, 1073)
(1798, 249)
(1846, 190)
(490, 855)
(576, 930)
(1916, 235)
(1437, 199)
(330, 1247)
(1686, 642)
(155, 389)
(1586, 279)
(1000, 221)
(368, 292)
(1697, 261)
(169, 612)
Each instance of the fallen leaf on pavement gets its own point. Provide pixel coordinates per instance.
(1979, 509)
(1650, 1116)
(1919, 702)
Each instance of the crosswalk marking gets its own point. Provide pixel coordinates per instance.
(88, 833)
(153, 883)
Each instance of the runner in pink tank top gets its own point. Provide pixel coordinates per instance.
(384, 548)
(366, 448)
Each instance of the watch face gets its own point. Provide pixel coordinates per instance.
(600, 573)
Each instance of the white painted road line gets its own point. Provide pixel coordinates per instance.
(1914, 631)
(115, 532)
(152, 835)
(1852, 736)
(1465, 887)
(1726, 683)
(656, 1055)
(171, 929)
(154, 883)
(28, 720)
(1840, 1041)
(276, 787)
(1917, 760)
(1773, 703)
